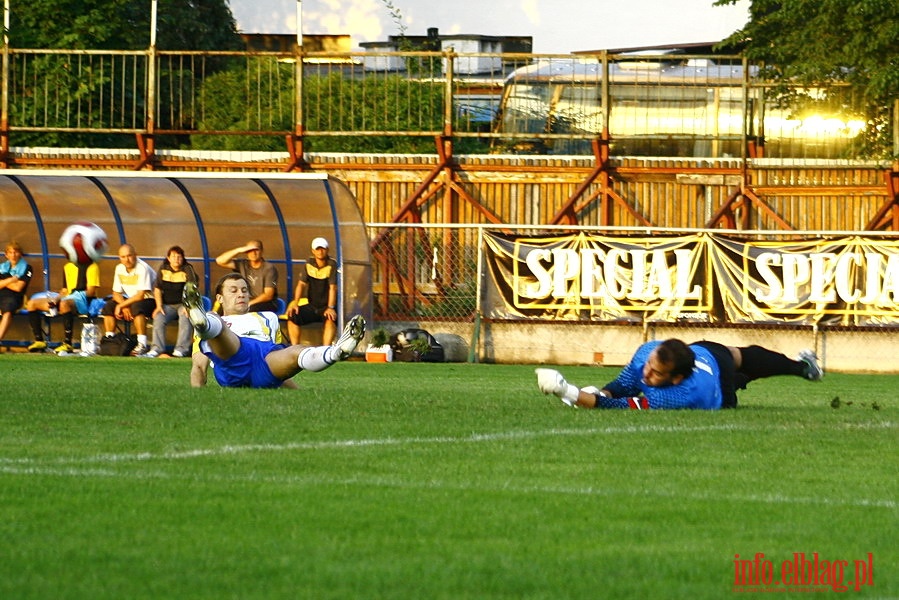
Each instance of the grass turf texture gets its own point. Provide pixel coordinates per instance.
(426, 481)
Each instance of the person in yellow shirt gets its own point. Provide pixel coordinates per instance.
(76, 297)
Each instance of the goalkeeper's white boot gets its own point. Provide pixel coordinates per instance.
(352, 334)
(551, 381)
(813, 370)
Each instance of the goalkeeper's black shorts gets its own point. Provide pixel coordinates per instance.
(728, 377)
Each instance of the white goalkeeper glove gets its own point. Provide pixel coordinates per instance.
(551, 381)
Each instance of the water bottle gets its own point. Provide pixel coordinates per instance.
(90, 339)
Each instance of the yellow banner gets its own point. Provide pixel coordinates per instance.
(702, 277)
(594, 277)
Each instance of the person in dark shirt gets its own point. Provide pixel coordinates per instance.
(260, 275)
(315, 296)
(174, 272)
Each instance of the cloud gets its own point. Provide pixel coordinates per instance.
(556, 25)
(531, 11)
(360, 19)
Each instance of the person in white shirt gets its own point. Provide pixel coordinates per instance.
(132, 297)
(245, 348)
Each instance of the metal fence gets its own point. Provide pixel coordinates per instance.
(423, 271)
(401, 101)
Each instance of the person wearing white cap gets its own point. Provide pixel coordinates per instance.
(260, 275)
(315, 295)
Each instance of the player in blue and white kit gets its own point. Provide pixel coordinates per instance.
(245, 349)
(671, 374)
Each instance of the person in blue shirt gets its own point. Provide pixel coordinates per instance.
(670, 374)
(15, 274)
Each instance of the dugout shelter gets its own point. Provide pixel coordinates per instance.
(204, 213)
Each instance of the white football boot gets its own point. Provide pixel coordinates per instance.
(352, 334)
(192, 301)
(813, 370)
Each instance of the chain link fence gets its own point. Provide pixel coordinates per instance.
(424, 271)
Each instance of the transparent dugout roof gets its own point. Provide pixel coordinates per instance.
(204, 213)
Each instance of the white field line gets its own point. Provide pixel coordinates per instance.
(436, 484)
(230, 450)
(336, 444)
(79, 467)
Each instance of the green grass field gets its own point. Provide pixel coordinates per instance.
(429, 481)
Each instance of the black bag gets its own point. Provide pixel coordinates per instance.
(119, 344)
(403, 350)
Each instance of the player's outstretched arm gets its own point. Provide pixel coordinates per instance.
(199, 369)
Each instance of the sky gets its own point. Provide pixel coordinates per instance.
(556, 26)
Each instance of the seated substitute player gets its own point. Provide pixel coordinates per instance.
(132, 297)
(15, 274)
(244, 348)
(77, 297)
(171, 276)
(261, 276)
(671, 374)
(315, 296)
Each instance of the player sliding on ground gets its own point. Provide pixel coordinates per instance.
(671, 374)
(244, 348)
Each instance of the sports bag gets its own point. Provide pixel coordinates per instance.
(119, 344)
(404, 351)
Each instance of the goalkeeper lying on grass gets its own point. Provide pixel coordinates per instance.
(672, 374)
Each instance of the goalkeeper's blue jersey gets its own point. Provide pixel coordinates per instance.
(702, 389)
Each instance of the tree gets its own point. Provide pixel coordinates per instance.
(122, 25)
(57, 91)
(818, 42)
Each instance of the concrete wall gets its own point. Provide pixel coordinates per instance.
(840, 350)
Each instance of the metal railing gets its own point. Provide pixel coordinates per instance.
(401, 101)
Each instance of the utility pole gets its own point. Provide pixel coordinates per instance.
(300, 23)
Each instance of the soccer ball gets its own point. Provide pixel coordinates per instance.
(84, 242)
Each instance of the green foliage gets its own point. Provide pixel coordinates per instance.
(65, 91)
(380, 337)
(123, 25)
(392, 103)
(420, 346)
(816, 42)
(231, 103)
(332, 103)
(117, 480)
(72, 90)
